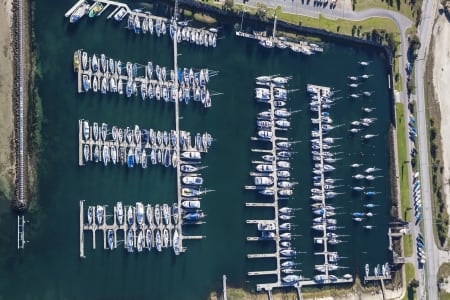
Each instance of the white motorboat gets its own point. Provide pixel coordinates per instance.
(192, 180)
(263, 180)
(139, 213)
(191, 204)
(194, 155)
(130, 240)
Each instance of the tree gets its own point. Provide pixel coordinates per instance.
(228, 5)
(414, 283)
(392, 43)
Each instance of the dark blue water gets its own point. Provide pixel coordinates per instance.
(50, 267)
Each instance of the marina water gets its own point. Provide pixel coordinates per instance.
(50, 268)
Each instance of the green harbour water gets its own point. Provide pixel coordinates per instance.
(50, 267)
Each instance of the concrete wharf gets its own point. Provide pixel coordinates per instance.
(156, 87)
(124, 146)
(197, 36)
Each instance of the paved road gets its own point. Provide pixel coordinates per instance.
(432, 252)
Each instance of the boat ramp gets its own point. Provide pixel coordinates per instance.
(143, 22)
(125, 142)
(98, 73)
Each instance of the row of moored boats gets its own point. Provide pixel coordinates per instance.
(158, 83)
(272, 176)
(145, 227)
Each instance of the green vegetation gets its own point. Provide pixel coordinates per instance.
(187, 13)
(442, 277)
(411, 282)
(402, 162)
(408, 245)
(203, 18)
(440, 207)
(412, 8)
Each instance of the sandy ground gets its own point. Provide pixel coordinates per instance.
(7, 170)
(441, 80)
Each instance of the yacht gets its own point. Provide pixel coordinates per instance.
(158, 243)
(86, 82)
(139, 213)
(90, 214)
(84, 60)
(103, 62)
(119, 213)
(288, 252)
(130, 215)
(137, 134)
(104, 131)
(130, 240)
(157, 213)
(149, 214)
(86, 130)
(263, 180)
(103, 85)
(95, 84)
(148, 239)
(194, 155)
(99, 213)
(140, 241)
(175, 213)
(105, 155)
(120, 14)
(113, 154)
(166, 214)
(165, 238)
(265, 168)
(111, 239)
(94, 63)
(291, 279)
(190, 204)
(130, 158)
(176, 242)
(195, 216)
(192, 180)
(96, 153)
(266, 43)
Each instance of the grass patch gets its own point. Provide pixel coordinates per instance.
(187, 13)
(411, 292)
(400, 6)
(403, 162)
(442, 277)
(200, 17)
(408, 245)
(439, 205)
